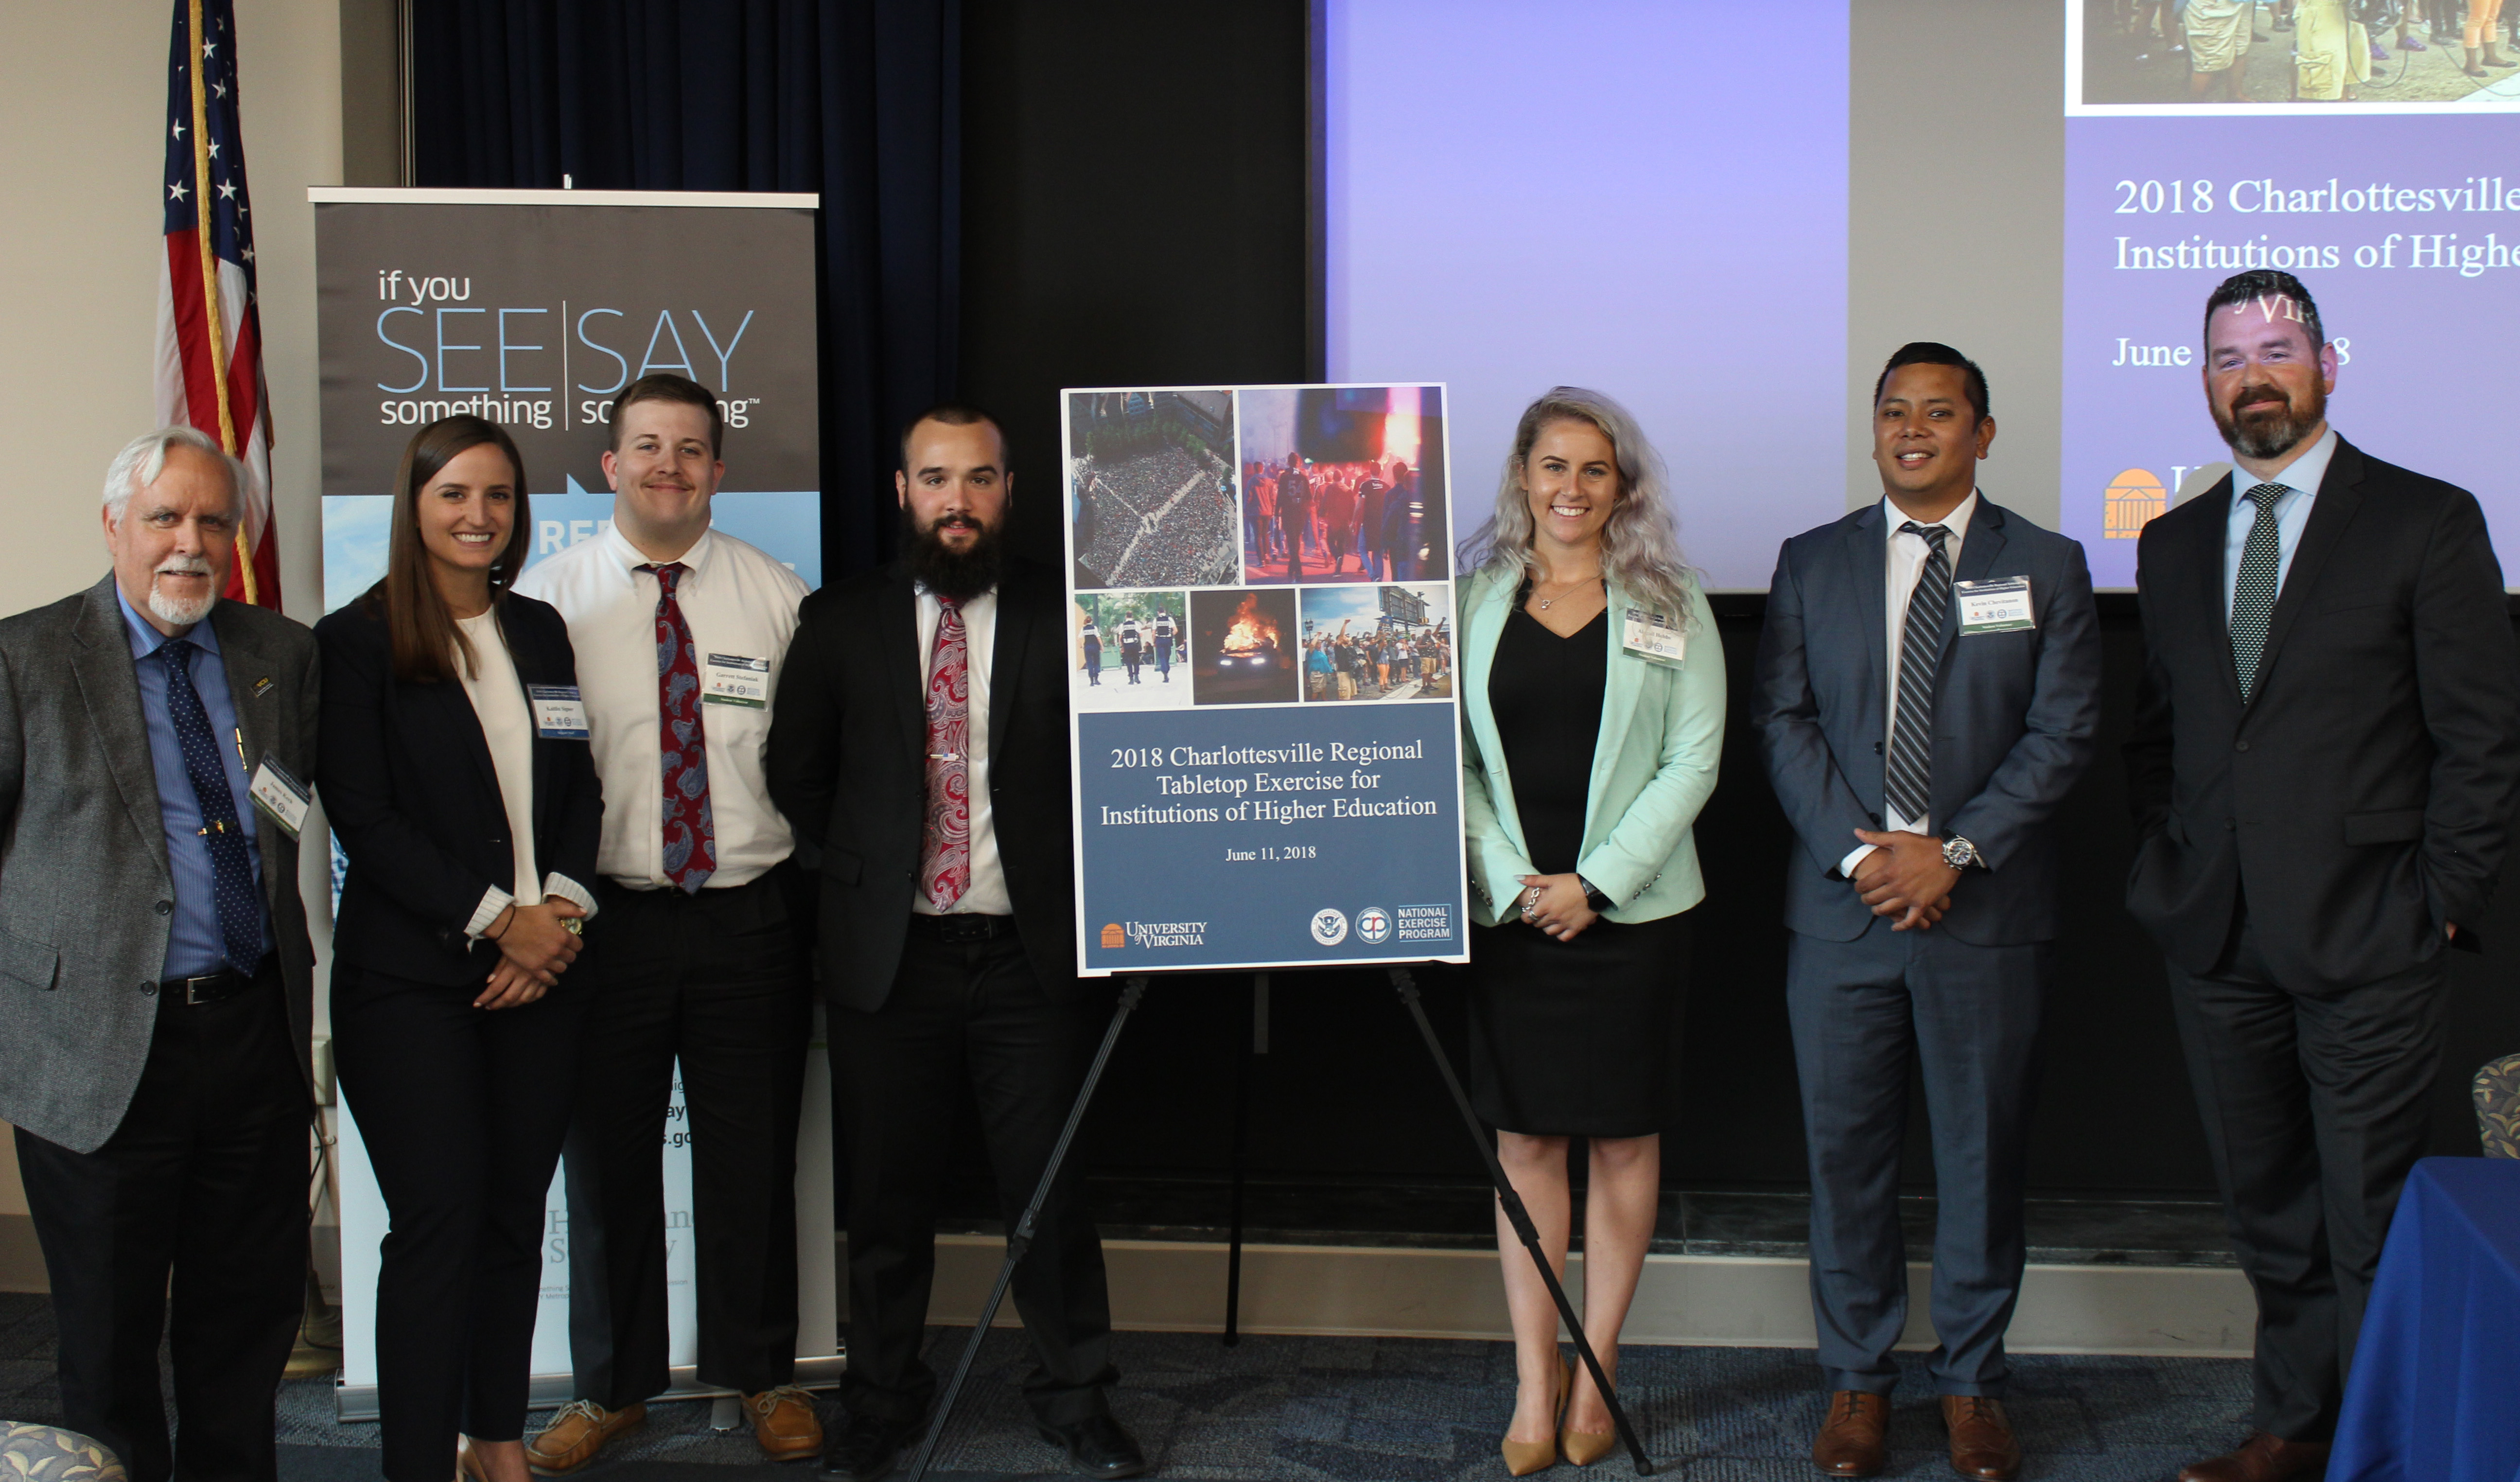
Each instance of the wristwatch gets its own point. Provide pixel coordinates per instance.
(1593, 896)
(1959, 853)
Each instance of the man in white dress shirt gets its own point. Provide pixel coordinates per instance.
(700, 957)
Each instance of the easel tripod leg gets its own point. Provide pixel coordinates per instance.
(1406, 984)
(1020, 1238)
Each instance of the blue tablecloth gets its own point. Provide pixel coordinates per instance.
(2435, 1391)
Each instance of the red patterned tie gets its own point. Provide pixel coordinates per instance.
(945, 857)
(691, 832)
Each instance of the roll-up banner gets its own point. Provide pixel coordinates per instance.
(533, 308)
(1262, 677)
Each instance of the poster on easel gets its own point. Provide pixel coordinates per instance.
(533, 309)
(1266, 740)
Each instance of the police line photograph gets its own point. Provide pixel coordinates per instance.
(1309, 740)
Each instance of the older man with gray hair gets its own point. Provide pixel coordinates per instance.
(155, 979)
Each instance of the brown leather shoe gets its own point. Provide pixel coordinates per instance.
(785, 1423)
(1982, 1444)
(2261, 1458)
(577, 1434)
(1855, 1440)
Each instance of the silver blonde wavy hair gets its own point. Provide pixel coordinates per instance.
(1641, 543)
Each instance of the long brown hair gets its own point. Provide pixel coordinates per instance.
(425, 639)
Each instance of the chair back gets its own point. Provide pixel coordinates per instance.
(2497, 1106)
(50, 1453)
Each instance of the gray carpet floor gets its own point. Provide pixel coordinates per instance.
(1373, 1410)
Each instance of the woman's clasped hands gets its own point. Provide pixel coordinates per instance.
(535, 947)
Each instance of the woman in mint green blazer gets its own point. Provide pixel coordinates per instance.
(1592, 716)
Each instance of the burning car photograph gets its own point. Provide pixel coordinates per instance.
(1241, 647)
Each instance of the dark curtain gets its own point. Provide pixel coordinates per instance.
(856, 99)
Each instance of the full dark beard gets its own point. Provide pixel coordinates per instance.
(2262, 435)
(955, 575)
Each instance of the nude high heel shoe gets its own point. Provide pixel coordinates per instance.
(469, 1466)
(1523, 1458)
(1583, 1448)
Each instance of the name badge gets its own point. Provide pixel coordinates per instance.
(731, 679)
(1652, 636)
(2001, 606)
(280, 795)
(560, 714)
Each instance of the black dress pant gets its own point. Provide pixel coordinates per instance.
(206, 1181)
(963, 1009)
(715, 983)
(461, 1110)
(2313, 1099)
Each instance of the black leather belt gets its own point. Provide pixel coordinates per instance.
(218, 987)
(961, 926)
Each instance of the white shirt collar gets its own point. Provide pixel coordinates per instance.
(1956, 522)
(2303, 473)
(632, 558)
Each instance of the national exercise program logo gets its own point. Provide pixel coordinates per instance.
(1374, 925)
(1330, 927)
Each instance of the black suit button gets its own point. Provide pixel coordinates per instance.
(2230, 825)
(148, 990)
(165, 908)
(2240, 745)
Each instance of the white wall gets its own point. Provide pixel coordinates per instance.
(83, 107)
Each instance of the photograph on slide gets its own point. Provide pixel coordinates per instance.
(1369, 643)
(1127, 650)
(1242, 647)
(1343, 483)
(1151, 488)
(2379, 55)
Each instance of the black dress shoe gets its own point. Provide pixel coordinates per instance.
(1100, 1446)
(867, 1448)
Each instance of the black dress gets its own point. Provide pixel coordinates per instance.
(1577, 1038)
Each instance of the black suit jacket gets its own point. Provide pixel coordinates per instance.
(847, 765)
(2362, 799)
(2015, 716)
(410, 789)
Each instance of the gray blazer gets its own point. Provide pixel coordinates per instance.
(85, 896)
(2016, 717)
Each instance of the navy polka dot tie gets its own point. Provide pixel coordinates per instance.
(232, 887)
(2253, 593)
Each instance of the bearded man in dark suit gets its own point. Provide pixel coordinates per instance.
(2324, 766)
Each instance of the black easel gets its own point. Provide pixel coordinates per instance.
(1020, 1238)
(1403, 981)
(1257, 1043)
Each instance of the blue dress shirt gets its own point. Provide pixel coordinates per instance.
(2300, 479)
(194, 945)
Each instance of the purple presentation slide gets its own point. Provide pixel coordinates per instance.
(2403, 226)
(1613, 195)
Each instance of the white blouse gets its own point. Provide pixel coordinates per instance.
(498, 698)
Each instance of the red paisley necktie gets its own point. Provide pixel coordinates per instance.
(945, 856)
(690, 832)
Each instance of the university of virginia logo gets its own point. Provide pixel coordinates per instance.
(2133, 497)
(1155, 935)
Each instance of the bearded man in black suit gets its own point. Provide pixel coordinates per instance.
(2324, 767)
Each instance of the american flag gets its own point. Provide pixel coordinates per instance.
(210, 334)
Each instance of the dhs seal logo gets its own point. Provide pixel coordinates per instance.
(1330, 927)
(1374, 925)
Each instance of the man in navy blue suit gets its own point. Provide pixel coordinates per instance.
(1928, 689)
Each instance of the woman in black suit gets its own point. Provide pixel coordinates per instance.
(458, 776)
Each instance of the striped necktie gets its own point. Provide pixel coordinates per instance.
(1911, 775)
(2253, 595)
